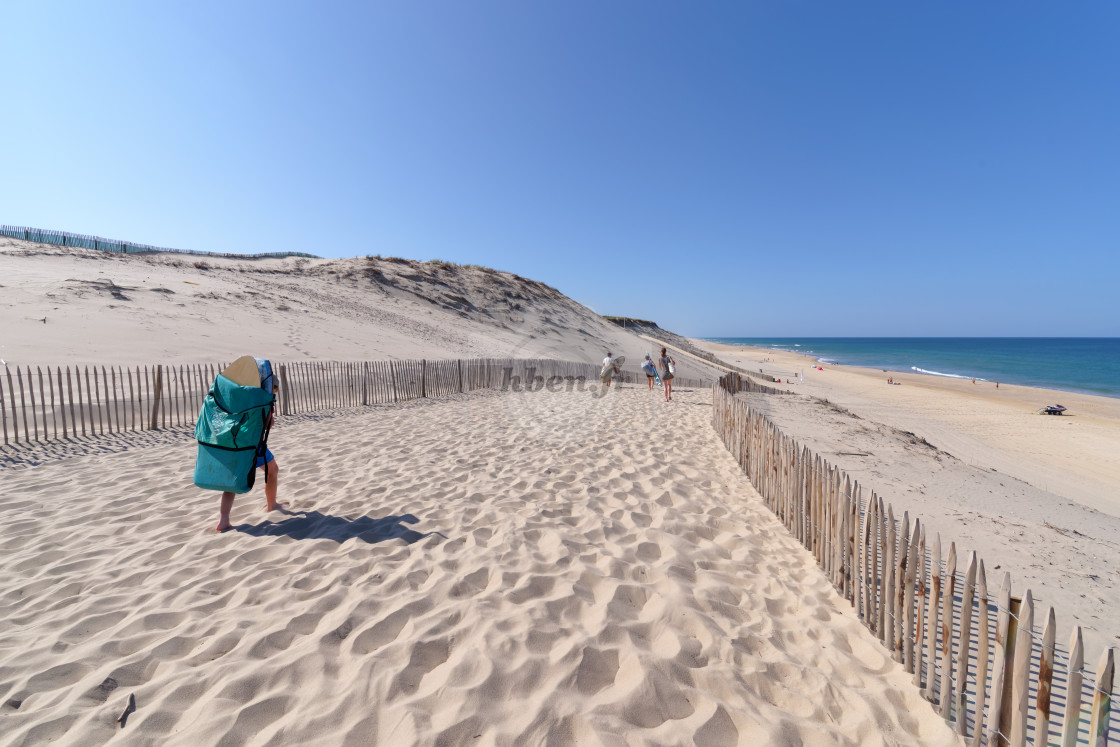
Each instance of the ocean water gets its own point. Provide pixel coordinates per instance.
(1089, 365)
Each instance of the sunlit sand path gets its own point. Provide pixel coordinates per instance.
(534, 568)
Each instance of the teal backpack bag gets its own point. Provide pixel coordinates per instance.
(232, 430)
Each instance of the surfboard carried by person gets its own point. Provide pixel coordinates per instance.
(610, 368)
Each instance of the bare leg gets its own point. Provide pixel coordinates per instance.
(668, 389)
(223, 518)
(271, 486)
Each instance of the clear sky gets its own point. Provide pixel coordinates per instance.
(765, 168)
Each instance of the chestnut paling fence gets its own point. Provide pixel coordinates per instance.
(990, 663)
(86, 241)
(46, 404)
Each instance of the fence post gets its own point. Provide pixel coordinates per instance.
(933, 609)
(947, 593)
(423, 378)
(3, 412)
(11, 399)
(154, 421)
(981, 654)
(968, 594)
(1072, 721)
(1021, 672)
(999, 713)
(1102, 699)
(1045, 680)
(909, 633)
(23, 407)
(286, 406)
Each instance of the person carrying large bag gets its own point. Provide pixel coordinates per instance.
(232, 434)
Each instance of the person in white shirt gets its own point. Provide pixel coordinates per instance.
(609, 369)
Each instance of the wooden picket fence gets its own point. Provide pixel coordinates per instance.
(979, 659)
(47, 404)
(86, 241)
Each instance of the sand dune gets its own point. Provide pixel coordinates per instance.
(76, 306)
(534, 568)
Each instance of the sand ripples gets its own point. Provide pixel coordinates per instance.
(542, 568)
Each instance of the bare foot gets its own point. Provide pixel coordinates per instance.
(223, 527)
(275, 506)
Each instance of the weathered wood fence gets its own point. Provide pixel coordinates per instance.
(979, 658)
(85, 241)
(46, 404)
(735, 383)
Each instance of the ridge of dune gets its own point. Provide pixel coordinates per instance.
(169, 308)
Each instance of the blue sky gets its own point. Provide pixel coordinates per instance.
(777, 168)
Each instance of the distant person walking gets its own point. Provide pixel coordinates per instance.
(668, 369)
(650, 371)
(610, 368)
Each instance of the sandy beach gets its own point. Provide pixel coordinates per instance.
(493, 568)
(1035, 495)
(534, 568)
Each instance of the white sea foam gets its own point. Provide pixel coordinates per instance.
(946, 375)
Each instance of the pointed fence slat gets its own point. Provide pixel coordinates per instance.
(1071, 723)
(1000, 662)
(23, 405)
(910, 635)
(61, 399)
(948, 591)
(31, 395)
(1045, 681)
(922, 593)
(982, 653)
(4, 411)
(933, 610)
(964, 651)
(1102, 699)
(1020, 673)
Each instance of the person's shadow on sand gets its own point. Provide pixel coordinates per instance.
(302, 525)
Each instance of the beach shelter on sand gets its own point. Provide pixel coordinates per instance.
(232, 427)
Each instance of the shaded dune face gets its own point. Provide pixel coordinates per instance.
(79, 306)
(526, 568)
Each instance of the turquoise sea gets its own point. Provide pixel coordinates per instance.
(1090, 365)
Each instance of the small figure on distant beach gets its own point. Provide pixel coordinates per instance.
(668, 369)
(890, 379)
(609, 369)
(650, 371)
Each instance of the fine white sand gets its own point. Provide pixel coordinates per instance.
(534, 568)
(1034, 495)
